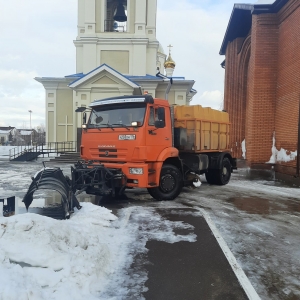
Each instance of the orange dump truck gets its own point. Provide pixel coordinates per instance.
(142, 142)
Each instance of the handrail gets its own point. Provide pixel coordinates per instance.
(45, 148)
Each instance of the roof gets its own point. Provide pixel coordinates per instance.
(98, 70)
(240, 21)
(5, 130)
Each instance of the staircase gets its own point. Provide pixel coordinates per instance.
(68, 157)
(28, 156)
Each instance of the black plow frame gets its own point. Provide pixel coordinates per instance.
(53, 179)
(98, 180)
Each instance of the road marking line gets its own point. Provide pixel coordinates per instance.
(239, 273)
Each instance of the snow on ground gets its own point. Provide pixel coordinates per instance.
(259, 220)
(4, 151)
(86, 257)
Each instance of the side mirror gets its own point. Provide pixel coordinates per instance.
(99, 119)
(159, 124)
(84, 118)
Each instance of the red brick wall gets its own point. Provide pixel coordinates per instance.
(288, 80)
(262, 86)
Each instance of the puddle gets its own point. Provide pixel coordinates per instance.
(256, 205)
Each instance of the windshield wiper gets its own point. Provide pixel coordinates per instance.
(122, 125)
(110, 126)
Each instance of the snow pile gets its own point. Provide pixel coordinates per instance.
(86, 257)
(281, 155)
(49, 259)
(244, 149)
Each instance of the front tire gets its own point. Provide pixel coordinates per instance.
(170, 184)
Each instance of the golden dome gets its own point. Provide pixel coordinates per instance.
(170, 63)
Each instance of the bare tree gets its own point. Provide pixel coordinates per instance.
(41, 134)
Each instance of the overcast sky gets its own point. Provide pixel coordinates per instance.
(37, 40)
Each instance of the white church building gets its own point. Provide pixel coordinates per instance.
(117, 53)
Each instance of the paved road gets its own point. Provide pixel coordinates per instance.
(190, 270)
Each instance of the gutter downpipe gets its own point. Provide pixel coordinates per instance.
(168, 88)
(298, 147)
(171, 108)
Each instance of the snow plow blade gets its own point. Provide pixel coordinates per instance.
(53, 179)
(96, 179)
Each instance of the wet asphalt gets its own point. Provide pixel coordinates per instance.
(190, 271)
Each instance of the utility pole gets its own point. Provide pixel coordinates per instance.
(30, 111)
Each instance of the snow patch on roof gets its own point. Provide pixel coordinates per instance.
(265, 2)
(25, 132)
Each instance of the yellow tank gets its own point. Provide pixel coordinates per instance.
(200, 129)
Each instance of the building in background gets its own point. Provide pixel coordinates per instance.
(262, 83)
(8, 135)
(29, 136)
(117, 54)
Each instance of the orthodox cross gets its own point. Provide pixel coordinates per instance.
(66, 124)
(170, 46)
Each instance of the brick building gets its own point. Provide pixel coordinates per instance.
(262, 83)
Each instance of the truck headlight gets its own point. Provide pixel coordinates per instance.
(136, 171)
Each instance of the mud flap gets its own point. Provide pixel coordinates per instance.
(53, 179)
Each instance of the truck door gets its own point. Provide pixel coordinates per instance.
(158, 139)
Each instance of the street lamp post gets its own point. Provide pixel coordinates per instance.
(30, 112)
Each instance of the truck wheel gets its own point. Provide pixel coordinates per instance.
(210, 176)
(223, 175)
(170, 184)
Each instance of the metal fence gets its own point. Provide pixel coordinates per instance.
(113, 26)
(43, 149)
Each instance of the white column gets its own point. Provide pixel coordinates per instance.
(140, 17)
(90, 20)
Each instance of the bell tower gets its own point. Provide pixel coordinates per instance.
(119, 33)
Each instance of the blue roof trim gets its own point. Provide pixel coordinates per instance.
(75, 75)
(148, 77)
(84, 75)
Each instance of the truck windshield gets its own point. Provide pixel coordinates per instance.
(122, 115)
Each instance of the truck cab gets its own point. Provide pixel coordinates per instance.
(134, 135)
